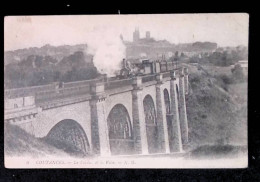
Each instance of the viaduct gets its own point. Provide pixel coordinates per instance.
(140, 115)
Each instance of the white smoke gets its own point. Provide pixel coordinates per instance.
(143, 55)
(107, 49)
(170, 54)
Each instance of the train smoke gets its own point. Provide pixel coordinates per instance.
(107, 49)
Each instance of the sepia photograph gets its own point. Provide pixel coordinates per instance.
(126, 91)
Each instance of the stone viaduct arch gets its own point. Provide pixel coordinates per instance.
(47, 119)
(169, 118)
(120, 131)
(123, 98)
(151, 124)
(69, 136)
(167, 101)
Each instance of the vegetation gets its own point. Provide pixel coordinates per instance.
(237, 74)
(217, 151)
(236, 77)
(222, 57)
(216, 112)
(20, 143)
(40, 70)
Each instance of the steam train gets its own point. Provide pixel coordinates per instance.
(145, 67)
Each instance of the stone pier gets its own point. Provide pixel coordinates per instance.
(99, 128)
(139, 128)
(182, 106)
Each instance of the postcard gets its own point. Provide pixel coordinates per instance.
(126, 91)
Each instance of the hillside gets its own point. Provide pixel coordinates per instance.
(216, 116)
(19, 143)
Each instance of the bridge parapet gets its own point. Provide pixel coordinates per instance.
(137, 82)
(118, 83)
(61, 93)
(166, 75)
(81, 83)
(47, 89)
(27, 91)
(52, 92)
(97, 88)
(159, 78)
(148, 78)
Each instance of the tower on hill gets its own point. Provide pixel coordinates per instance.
(136, 35)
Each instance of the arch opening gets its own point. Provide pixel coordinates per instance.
(120, 131)
(151, 124)
(167, 101)
(178, 98)
(169, 118)
(177, 92)
(69, 136)
(179, 111)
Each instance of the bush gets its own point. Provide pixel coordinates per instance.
(204, 116)
(226, 79)
(194, 60)
(194, 78)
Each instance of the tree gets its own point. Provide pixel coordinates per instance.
(194, 59)
(176, 57)
(176, 54)
(40, 70)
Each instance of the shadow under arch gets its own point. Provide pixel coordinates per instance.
(69, 136)
(167, 101)
(177, 92)
(120, 131)
(169, 118)
(151, 124)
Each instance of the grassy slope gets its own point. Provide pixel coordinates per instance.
(19, 143)
(215, 116)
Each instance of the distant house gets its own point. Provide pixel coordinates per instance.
(190, 53)
(244, 65)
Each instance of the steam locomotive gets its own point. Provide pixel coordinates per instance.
(145, 67)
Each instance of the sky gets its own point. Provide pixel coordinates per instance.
(36, 31)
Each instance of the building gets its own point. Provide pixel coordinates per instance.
(146, 39)
(244, 65)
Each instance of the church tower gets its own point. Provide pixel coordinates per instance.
(136, 35)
